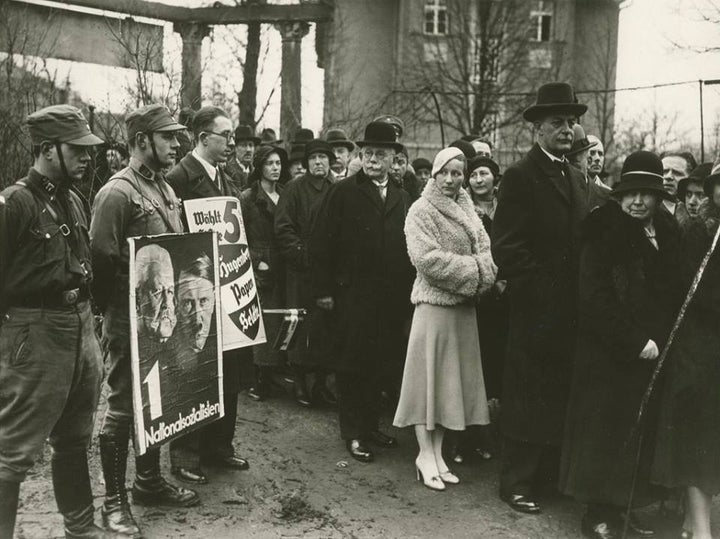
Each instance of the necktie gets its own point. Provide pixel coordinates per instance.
(381, 190)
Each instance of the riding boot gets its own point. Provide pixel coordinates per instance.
(116, 514)
(9, 493)
(71, 482)
(151, 488)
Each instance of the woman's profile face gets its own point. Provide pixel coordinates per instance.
(481, 181)
(450, 177)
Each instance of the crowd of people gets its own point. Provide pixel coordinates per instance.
(443, 289)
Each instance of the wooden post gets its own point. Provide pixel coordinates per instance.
(191, 88)
(292, 33)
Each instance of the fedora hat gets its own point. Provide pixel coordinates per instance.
(245, 132)
(580, 141)
(642, 171)
(268, 136)
(302, 136)
(381, 134)
(318, 146)
(698, 175)
(554, 98)
(337, 137)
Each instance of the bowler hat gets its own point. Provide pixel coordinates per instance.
(554, 98)
(302, 136)
(268, 136)
(392, 120)
(698, 175)
(642, 171)
(318, 146)
(421, 163)
(712, 179)
(297, 153)
(151, 119)
(483, 161)
(380, 134)
(465, 147)
(245, 132)
(337, 137)
(61, 123)
(580, 141)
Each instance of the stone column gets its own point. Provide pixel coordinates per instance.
(290, 97)
(192, 36)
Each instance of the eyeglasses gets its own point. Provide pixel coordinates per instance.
(380, 154)
(228, 136)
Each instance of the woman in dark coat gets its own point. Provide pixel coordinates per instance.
(629, 293)
(258, 203)
(687, 453)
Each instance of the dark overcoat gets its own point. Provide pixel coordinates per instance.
(629, 293)
(359, 257)
(190, 180)
(258, 212)
(688, 439)
(294, 220)
(535, 246)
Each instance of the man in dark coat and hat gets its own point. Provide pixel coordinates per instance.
(294, 219)
(598, 192)
(541, 202)
(239, 164)
(361, 271)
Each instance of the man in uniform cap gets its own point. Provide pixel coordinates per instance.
(137, 201)
(541, 203)
(50, 359)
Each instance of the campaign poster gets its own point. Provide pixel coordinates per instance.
(242, 314)
(175, 336)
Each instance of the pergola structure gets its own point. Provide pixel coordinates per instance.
(193, 24)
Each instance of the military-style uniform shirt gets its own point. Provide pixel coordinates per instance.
(44, 243)
(134, 202)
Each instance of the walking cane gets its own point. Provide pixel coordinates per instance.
(656, 373)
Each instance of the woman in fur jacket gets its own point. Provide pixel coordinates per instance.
(443, 385)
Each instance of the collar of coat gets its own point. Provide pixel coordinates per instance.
(197, 174)
(461, 211)
(709, 213)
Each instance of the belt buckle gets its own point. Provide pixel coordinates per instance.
(65, 230)
(70, 297)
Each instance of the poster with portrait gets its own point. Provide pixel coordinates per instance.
(242, 314)
(175, 336)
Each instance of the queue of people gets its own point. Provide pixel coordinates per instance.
(442, 287)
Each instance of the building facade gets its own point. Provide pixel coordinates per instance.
(454, 67)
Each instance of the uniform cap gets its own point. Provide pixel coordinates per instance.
(61, 123)
(150, 119)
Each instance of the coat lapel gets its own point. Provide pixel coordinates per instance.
(198, 178)
(551, 171)
(392, 197)
(367, 187)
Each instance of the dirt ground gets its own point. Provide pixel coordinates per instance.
(302, 483)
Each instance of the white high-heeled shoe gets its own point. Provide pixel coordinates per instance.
(431, 482)
(449, 477)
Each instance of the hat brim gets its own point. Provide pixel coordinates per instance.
(537, 112)
(380, 144)
(344, 143)
(641, 183)
(582, 149)
(170, 127)
(86, 140)
(330, 155)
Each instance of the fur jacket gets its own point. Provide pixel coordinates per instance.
(449, 248)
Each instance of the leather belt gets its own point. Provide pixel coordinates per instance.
(52, 300)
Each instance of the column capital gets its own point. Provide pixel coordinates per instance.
(192, 31)
(292, 30)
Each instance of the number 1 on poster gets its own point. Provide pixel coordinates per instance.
(153, 383)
